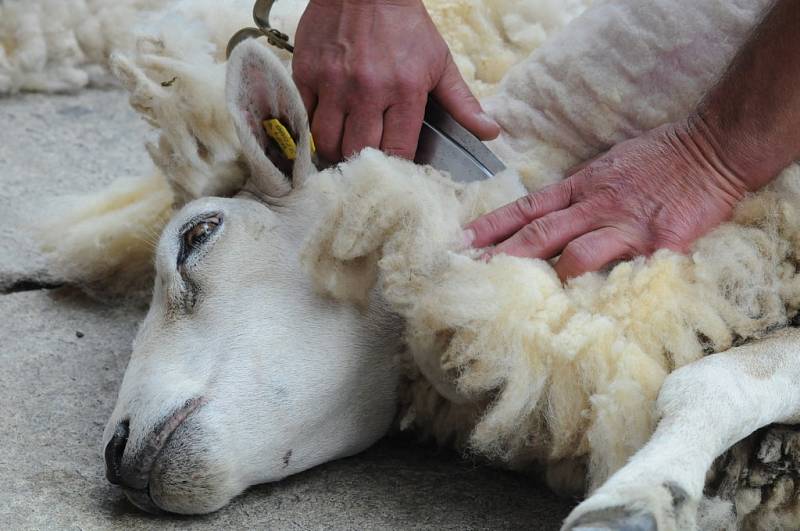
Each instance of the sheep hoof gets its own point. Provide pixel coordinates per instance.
(616, 519)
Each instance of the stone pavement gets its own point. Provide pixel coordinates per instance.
(62, 357)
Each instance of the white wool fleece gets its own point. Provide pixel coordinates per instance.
(62, 45)
(487, 37)
(568, 373)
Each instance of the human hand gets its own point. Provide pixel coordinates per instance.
(365, 68)
(664, 189)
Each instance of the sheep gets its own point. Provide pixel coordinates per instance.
(502, 359)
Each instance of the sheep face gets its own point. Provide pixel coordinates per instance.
(240, 373)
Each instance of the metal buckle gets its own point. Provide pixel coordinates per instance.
(261, 17)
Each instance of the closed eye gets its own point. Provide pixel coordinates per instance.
(195, 233)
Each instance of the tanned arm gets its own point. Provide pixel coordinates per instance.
(752, 116)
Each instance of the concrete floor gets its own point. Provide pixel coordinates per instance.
(57, 389)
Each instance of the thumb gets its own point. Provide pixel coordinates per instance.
(454, 95)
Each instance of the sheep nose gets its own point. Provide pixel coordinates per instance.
(113, 454)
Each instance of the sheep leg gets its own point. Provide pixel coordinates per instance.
(705, 408)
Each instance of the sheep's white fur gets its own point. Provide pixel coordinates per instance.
(58, 45)
(567, 372)
(492, 340)
(64, 45)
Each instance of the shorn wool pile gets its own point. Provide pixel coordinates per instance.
(507, 361)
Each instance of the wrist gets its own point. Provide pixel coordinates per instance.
(738, 156)
(706, 165)
(752, 157)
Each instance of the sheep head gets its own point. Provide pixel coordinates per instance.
(241, 373)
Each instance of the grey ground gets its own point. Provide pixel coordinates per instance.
(57, 389)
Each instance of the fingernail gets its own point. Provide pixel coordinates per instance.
(488, 119)
(468, 235)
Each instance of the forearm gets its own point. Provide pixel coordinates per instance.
(751, 118)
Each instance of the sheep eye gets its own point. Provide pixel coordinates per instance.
(196, 234)
(200, 232)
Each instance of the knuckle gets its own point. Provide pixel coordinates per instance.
(408, 84)
(332, 72)
(527, 206)
(303, 70)
(586, 210)
(535, 234)
(609, 191)
(578, 254)
(493, 223)
(569, 188)
(612, 205)
(365, 79)
(633, 243)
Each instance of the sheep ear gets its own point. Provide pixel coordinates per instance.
(259, 89)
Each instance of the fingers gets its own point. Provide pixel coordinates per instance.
(592, 252)
(455, 96)
(309, 99)
(363, 128)
(395, 130)
(496, 226)
(327, 128)
(546, 236)
(401, 126)
(343, 130)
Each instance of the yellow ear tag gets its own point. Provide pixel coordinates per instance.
(278, 132)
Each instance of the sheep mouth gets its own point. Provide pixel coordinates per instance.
(136, 482)
(142, 500)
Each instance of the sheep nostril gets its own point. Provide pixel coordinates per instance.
(114, 451)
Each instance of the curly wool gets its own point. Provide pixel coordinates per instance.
(565, 375)
(487, 37)
(63, 45)
(567, 371)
